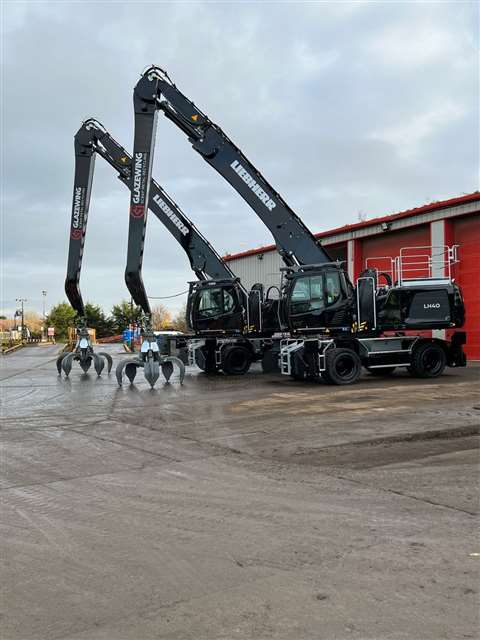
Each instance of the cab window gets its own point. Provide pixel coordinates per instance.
(308, 295)
(332, 287)
(215, 302)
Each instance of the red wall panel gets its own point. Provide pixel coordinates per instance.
(390, 243)
(466, 233)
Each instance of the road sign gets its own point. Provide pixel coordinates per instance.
(51, 332)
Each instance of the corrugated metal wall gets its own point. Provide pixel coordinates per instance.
(252, 269)
(265, 267)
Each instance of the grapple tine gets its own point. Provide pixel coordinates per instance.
(131, 370)
(108, 358)
(85, 364)
(130, 367)
(98, 363)
(171, 360)
(59, 363)
(67, 363)
(151, 370)
(167, 369)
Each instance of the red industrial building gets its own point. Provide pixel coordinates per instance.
(446, 223)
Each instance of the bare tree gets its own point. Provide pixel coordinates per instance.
(161, 318)
(33, 322)
(180, 320)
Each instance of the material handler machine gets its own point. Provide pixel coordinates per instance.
(209, 267)
(91, 139)
(333, 326)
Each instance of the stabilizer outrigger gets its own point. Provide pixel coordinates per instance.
(84, 354)
(150, 360)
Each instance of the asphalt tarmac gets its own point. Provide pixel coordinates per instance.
(253, 507)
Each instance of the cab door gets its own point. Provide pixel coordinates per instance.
(218, 308)
(318, 301)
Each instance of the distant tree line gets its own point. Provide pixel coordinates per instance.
(62, 316)
(33, 321)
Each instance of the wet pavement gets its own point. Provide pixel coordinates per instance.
(252, 507)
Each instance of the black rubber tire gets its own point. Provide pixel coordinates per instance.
(200, 359)
(343, 366)
(236, 360)
(428, 360)
(384, 371)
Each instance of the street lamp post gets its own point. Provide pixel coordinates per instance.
(22, 301)
(44, 295)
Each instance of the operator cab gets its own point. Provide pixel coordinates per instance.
(216, 306)
(317, 297)
(225, 307)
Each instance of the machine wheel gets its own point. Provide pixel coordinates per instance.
(236, 360)
(384, 371)
(200, 359)
(343, 366)
(428, 360)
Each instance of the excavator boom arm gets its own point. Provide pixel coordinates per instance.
(84, 166)
(92, 139)
(155, 91)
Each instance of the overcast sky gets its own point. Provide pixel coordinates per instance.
(347, 108)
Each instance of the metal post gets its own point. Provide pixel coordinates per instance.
(22, 301)
(132, 334)
(44, 294)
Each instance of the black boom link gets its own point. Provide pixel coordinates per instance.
(82, 188)
(295, 243)
(93, 139)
